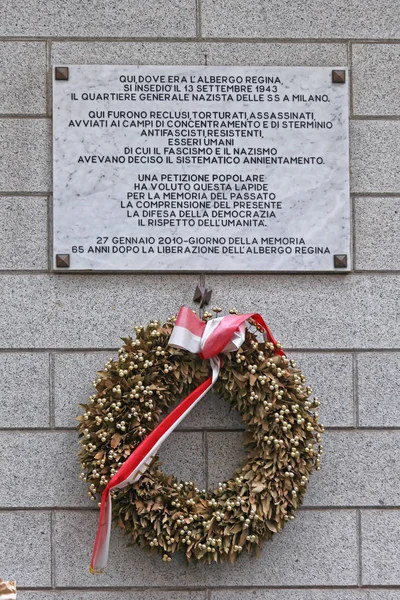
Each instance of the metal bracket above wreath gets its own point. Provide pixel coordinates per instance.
(202, 296)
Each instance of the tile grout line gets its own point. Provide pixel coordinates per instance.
(116, 273)
(49, 81)
(24, 116)
(359, 546)
(374, 117)
(49, 233)
(52, 550)
(191, 39)
(201, 588)
(51, 390)
(373, 195)
(198, 19)
(48, 77)
(350, 67)
(205, 450)
(25, 194)
(353, 201)
(355, 391)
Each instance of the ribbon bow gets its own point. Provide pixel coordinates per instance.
(208, 340)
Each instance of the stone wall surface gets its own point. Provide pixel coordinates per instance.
(56, 330)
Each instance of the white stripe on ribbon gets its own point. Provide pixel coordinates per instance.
(184, 339)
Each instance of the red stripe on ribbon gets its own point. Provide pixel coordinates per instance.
(189, 320)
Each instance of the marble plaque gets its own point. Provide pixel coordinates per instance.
(168, 168)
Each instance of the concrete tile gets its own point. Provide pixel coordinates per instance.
(375, 156)
(182, 53)
(73, 374)
(182, 455)
(155, 18)
(29, 301)
(378, 390)
(308, 594)
(380, 549)
(187, 53)
(127, 53)
(85, 311)
(41, 469)
(376, 79)
(127, 566)
(23, 78)
(319, 548)
(331, 378)
(295, 19)
(23, 243)
(25, 553)
(145, 594)
(276, 54)
(24, 395)
(212, 412)
(358, 468)
(25, 156)
(377, 225)
(317, 311)
(225, 453)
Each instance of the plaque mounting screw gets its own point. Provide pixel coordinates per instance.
(202, 296)
(338, 76)
(62, 261)
(340, 261)
(61, 73)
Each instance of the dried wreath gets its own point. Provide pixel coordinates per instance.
(162, 514)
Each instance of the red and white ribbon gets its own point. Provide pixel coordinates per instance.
(220, 335)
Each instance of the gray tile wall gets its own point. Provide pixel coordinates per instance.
(57, 330)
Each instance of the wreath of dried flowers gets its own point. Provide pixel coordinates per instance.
(161, 514)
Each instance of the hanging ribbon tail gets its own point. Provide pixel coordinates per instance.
(208, 340)
(102, 542)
